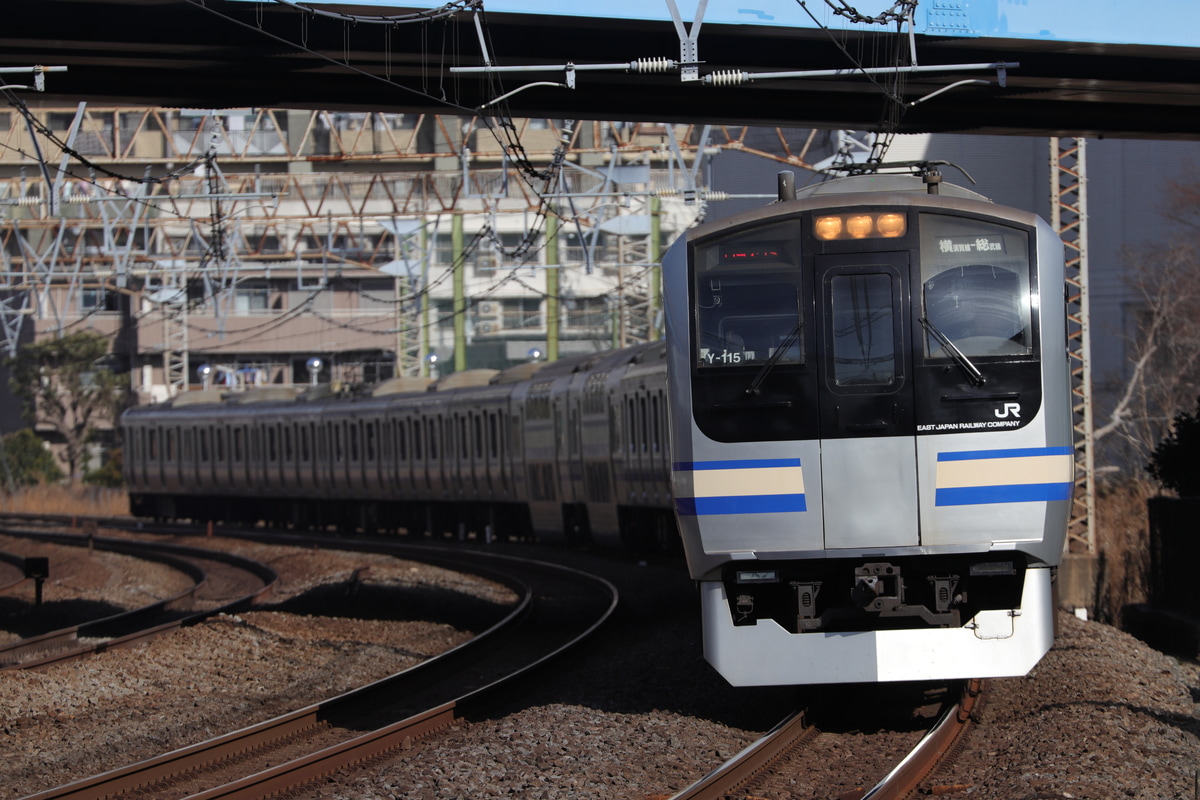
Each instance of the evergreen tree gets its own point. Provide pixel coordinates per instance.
(1175, 462)
(64, 384)
(26, 461)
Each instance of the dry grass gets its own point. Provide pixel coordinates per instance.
(1122, 540)
(57, 499)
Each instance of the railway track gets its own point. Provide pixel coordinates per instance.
(243, 582)
(767, 767)
(560, 607)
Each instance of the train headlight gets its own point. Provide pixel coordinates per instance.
(860, 226)
(891, 226)
(828, 228)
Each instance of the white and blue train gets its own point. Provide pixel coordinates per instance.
(872, 456)
(859, 427)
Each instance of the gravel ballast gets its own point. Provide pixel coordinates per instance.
(637, 714)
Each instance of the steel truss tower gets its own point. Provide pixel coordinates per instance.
(1068, 210)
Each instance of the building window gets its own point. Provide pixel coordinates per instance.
(96, 298)
(251, 299)
(443, 313)
(522, 312)
(587, 312)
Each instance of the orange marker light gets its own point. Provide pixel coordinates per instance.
(860, 226)
(828, 227)
(891, 225)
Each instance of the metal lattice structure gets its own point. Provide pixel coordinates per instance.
(317, 197)
(1068, 209)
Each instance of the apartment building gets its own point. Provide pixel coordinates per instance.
(235, 246)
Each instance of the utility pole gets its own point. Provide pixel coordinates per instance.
(460, 303)
(423, 351)
(656, 298)
(553, 271)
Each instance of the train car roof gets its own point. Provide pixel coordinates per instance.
(883, 182)
(468, 377)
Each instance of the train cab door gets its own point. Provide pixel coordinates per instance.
(865, 398)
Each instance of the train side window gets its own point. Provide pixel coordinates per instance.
(219, 442)
(654, 439)
(493, 435)
(401, 439)
(642, 422)
(352, 429)
(416, 440)
(187, 444)
(631, 425)
(304, 443)
(463, 444)
(272, 448)
(435, 433)
(152, 444)
(170, 445)
(478, 436)
(203, 439)
(238, 433)
(288, 451)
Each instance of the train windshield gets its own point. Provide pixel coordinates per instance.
(748, 302)
(976, 287)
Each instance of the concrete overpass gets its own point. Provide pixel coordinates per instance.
(1086, 68)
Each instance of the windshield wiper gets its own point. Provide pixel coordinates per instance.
(773, 360)
(970, 369)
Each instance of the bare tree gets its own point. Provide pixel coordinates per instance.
(1163, 349)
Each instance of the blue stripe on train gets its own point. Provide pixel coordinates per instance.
(1023, 452)
(1019, 493)
(741, 504)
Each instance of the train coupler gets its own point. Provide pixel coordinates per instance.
(879, 589)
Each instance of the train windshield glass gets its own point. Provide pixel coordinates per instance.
(975, 277)
(748, 301)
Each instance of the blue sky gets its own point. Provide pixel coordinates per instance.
(1156, 22)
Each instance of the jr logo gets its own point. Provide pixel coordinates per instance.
(1009, 408)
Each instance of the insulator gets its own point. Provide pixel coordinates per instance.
(30, 200)
(729, 77)
(714, 196)
(653, 65)
(666, 192)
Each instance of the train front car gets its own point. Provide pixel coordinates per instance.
(872, 463)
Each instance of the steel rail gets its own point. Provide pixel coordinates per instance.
(920, 763)
(750, 762)
(730, 778)
(168, 767)
(125, 629)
